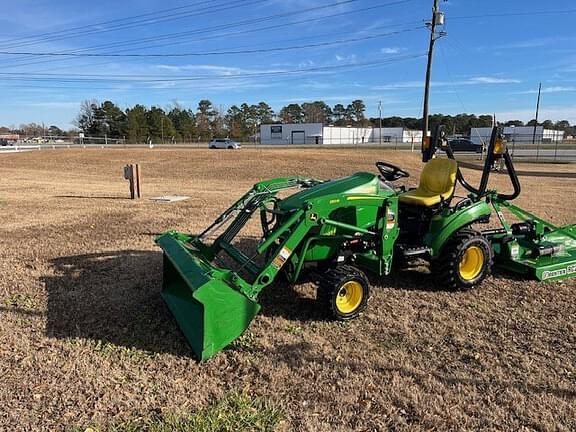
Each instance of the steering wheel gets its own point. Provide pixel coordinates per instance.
(391, 172)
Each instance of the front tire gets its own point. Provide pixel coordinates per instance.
(344, 292)
(464, 262)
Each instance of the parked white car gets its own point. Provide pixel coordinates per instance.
(224, 143)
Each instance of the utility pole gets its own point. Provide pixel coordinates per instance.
(537, 112)
(437, 19)
(380, 121)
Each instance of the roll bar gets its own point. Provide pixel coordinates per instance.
(439, 141)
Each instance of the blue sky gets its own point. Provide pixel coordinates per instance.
(492, 59)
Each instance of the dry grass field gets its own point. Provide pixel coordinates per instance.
(86, 341)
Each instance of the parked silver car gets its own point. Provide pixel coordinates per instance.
(224, 143)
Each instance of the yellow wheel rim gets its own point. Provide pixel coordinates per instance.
(471, 263)
(349, 297)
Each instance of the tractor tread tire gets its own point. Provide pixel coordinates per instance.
(446, 266)
(329, 285)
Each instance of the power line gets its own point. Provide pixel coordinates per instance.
(245, 46)
(99, 24)
(505, 14)
(173, 36)
(133, 78)
(215, 53)
(125, 86)
(203, 31)
(208, 10)
(228, 5)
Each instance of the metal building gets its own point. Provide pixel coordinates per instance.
(518, 134)
(317, 133)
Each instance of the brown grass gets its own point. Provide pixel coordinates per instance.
(85, 338)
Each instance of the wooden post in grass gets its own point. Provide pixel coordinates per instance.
(132, 174)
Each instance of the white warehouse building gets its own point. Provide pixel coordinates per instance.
(518, 134)
(317, 133)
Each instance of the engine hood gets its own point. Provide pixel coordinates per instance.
(361, 183)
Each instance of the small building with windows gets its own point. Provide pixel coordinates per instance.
(317, 133)
(293, 133)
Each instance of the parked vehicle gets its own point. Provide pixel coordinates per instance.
(464, 145)
(224, 143)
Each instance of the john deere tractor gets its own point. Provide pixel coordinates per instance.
(346, 227)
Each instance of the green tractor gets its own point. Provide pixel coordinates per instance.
(346, 227)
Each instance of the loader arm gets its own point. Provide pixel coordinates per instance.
(212, 304)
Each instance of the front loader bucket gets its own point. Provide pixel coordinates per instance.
(209, 311)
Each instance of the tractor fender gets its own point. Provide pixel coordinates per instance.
(443, 226)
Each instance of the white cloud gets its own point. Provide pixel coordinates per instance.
(53, 104)
(482, 80)
(317, 85)
(552, 89)
(530, 43)
(217, 70)
(349, 58)
(492, 80)
(305, 64)
(547, 113)
(400, 85)
(232, 85)
(390, 50)
(347, 98)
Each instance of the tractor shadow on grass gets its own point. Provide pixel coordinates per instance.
(282, 299)
(112, 297)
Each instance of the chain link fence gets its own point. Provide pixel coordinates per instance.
(521, 147)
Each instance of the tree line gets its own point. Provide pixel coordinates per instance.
(142, 124)
(139, 123)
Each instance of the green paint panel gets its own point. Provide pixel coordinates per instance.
(210, 312)
(443, 226)
(557, 268)
(560, 265)
(543, 268)
(359, 183)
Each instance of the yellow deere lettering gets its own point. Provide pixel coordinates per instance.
(330, 232)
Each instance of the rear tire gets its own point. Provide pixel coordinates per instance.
(344, 292)
(464, 262)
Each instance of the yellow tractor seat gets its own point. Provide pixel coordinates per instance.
(437, 183)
